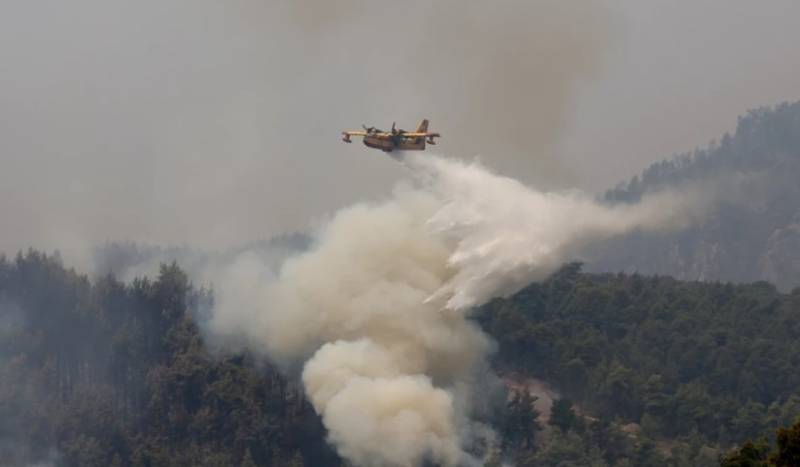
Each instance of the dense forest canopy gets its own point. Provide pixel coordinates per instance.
(99, 372)
(96, 373)
(711, 361)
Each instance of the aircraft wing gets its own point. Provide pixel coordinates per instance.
(355, 133)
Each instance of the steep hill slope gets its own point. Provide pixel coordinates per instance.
(688, 362)
(753, 231)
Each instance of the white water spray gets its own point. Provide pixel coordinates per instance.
(375, 309)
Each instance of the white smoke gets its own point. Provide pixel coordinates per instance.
(375, 309)
(504, 235)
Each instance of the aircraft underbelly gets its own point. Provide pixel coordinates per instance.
(377, 143)
(385, 144)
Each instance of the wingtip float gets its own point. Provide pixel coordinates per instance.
(396, 139)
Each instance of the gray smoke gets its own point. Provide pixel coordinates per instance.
(499, 75)
(169, 123)
(127, 260)
(376, 310)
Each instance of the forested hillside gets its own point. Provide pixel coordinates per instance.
(96, 373)
(753, 230)
(711, 364)
(105, 373)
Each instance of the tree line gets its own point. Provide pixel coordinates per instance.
(98, 373)
(711, 365)
(651, 371)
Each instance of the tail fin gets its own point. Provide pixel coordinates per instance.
(423, 126)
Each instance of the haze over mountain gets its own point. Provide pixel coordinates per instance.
(426, 297)
(750, 232)
(753, 231)
(214, 124)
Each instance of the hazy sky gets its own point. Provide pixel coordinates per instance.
(676, 76)
(212, 123)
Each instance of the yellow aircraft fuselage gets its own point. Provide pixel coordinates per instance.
(389, 141)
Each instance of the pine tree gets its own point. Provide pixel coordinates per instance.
(297, 460)
(561, 415)
(248, 461)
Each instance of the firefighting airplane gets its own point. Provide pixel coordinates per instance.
(388, 141)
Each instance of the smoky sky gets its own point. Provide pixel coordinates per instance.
(677, 75)
(214, 123)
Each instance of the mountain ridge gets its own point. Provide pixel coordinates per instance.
(752, 231)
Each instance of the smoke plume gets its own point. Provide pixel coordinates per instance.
(501, 75)
(159, 123)
(375, 309)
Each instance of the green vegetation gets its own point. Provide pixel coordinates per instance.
(703, 364)
(103, 373)
(562, 416)
(653, 371)
(521, 422)
(758, 454)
